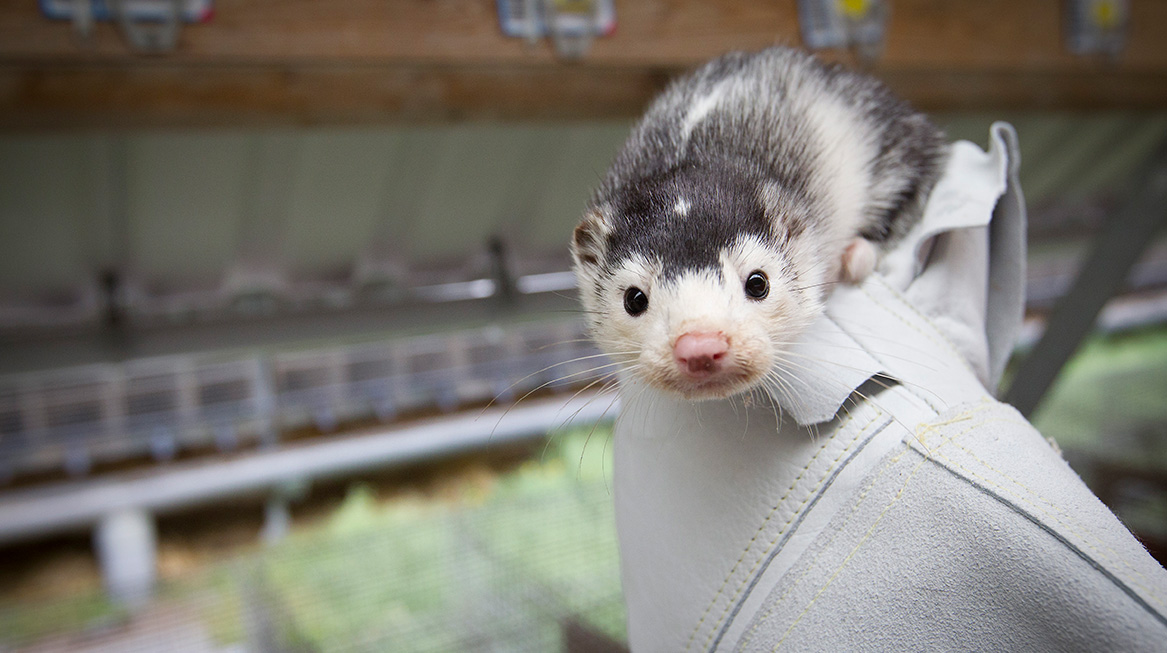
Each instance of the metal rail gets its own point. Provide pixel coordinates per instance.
(77, 417)
(80, 505)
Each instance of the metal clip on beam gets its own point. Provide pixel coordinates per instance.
(150, 35)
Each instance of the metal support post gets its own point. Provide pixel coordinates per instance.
(1117, 248)
(126, 545)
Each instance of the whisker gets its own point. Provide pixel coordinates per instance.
(608, 381)
(612, 403)
(863, 332)
(599, 393)
(544, 385)
(792, 393)
(854, 391)
(786, 389)
(552, 366)
(856, 369)
(604, 460)
(788, 344)
(815, 285)
(559, 294)
(574, 311)
(560, 343)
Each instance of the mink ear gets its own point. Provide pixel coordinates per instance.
(590, 240)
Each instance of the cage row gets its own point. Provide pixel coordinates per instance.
(74, 418)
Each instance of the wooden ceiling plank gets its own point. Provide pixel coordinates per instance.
(657, 33)
(372, 61)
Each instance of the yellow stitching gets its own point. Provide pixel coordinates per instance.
(927, 428)
(879, 303)
(1070, 520)
(846, 560)
(851, 554)
(1053, 518)
(781, 529)
(761, 527)
(1098, 548)
(838, 531)
(871, 530)
(737, 591)
(931, 427)
(1070, 524)
(854, 509)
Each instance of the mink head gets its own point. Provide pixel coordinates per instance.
(698, 279)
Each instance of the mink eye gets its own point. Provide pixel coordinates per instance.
(757, 285)
(635, 301)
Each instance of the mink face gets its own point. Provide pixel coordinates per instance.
(748, 188)
(693, 283)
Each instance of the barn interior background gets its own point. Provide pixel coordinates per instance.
(275, 275)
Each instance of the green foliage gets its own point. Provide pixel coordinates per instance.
(1113, 387)
(418, 576)
(492, 569)
(28, 622)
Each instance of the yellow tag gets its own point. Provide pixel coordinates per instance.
(853, 8)
(574, 6)
(1106, 14)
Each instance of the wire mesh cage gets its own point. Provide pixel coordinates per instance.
(153, 408)
(230, 409)
(526, 567)
(161, 408)
(371, 374)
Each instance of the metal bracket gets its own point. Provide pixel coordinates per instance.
(571, 25)
(150, 36)
(1097, 26)
(856, 24)
(83, 18)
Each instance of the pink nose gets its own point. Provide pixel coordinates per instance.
(700, 354)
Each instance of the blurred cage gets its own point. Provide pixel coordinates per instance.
(428, 365)
(563, 356)
(230, 399)
(308, 385)
(1107, 414)
(371, 374)
(73, 419)
(530, 568)
(156, 407)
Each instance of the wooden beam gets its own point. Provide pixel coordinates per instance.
(661, 33)
(342, 61)
(159, 95)
(163, 94)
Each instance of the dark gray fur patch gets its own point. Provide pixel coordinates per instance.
(723, 205)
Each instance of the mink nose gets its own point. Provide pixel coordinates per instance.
(700, 354)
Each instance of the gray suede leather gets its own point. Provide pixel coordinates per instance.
(890, 503)
(948, 551)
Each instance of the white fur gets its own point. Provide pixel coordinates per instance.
(703, 301)
(845, 156)
(797, 121)
(813, 257)
(702, 106)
